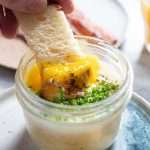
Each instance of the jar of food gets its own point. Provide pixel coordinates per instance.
(88, 127)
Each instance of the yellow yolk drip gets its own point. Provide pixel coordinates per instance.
(33, 77)
(62, 72)
(73, 76)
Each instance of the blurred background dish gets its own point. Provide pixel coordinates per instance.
(11, 51)
(107, 13)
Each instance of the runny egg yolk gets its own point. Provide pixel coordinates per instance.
(47, 77)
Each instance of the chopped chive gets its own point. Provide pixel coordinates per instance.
(102, 90)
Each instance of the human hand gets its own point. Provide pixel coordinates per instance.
(9, 23)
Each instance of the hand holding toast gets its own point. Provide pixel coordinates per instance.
(80, 23)
(9, 23)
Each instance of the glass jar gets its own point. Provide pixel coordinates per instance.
(88, 127)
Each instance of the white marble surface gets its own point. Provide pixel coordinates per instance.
(132, 48)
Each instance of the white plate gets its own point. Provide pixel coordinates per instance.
(13, 135)
(108, 13)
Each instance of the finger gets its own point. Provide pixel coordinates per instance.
(67, 5)
(29, 6)
(8, 23)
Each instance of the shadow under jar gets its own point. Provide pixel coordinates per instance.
(88, 127)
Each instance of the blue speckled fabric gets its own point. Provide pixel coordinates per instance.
(134, 132)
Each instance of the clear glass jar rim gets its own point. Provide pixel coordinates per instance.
(108, 101)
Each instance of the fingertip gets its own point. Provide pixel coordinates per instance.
(67, 5)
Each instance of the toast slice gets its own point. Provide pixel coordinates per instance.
(49, 31)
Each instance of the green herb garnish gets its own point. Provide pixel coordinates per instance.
(100, 92)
